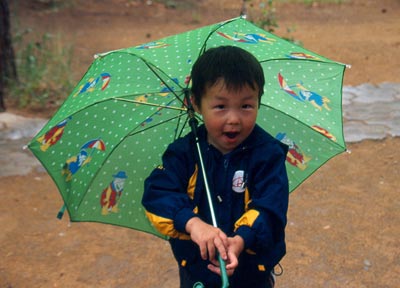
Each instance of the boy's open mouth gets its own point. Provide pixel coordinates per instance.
(231, 135)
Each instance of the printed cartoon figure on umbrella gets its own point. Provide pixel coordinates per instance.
(73, 164)
(52, 136)
(112, 194)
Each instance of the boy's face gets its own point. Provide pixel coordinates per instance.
(229, 115)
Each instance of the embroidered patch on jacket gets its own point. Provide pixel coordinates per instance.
(238, 183)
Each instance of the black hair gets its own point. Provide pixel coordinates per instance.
(235, 65)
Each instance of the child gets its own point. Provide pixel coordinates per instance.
(246, 174)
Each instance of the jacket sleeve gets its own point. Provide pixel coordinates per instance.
(165, 198)
(262, 225)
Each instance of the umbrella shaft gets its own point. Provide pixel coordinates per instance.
(209, 198)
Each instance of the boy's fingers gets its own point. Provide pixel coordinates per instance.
(211, 250)
(224, 238)
(221, 248)
(214, 269)
(233, 262)
(217, 270)
(203, 251)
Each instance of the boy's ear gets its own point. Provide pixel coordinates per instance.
(194, 104)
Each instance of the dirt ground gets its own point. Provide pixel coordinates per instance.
(343, 228)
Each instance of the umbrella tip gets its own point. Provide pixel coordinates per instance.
(61, 212)
(243, 10)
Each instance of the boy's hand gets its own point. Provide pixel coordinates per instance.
(235, 247)
(208, 238)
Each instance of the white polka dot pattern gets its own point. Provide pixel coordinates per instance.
(129, 107)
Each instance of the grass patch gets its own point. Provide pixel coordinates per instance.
(44, 71)
(264, 16)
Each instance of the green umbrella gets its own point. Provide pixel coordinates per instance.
(111, 131)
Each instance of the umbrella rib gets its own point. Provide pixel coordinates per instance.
(203, 48)
(152, 68)
(299, 121)
(150, 104)
(155, 125)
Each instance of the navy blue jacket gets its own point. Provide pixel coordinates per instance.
(253, 205)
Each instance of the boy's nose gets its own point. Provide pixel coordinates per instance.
(233, 118)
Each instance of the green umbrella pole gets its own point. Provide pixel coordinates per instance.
(193, 126)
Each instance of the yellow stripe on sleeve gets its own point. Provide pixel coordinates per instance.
(166, 226)
(247, 219)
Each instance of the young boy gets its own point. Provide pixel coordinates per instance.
(246, 174)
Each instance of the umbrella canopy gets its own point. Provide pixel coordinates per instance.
(111, 131)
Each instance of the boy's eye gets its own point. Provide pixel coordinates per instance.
(219, 106)
(247, 106)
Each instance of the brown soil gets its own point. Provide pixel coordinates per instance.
(343, 228)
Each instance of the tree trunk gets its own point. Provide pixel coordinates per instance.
(8, 69)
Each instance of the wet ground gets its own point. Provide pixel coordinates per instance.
(370, 112)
